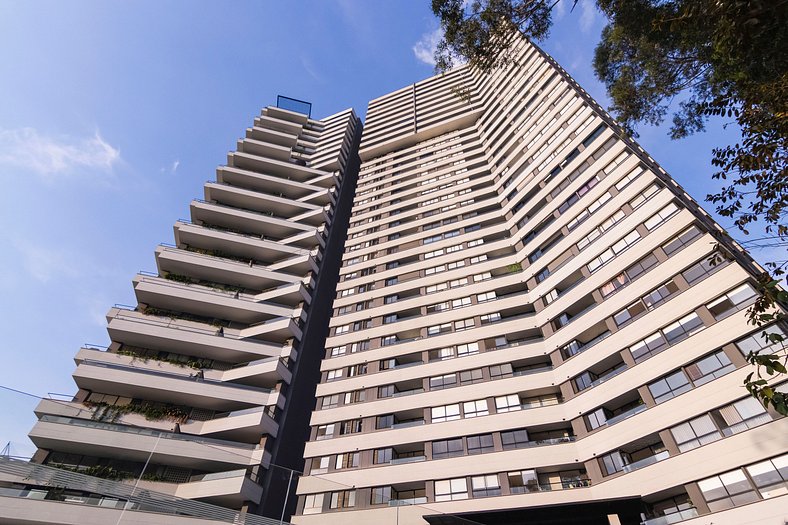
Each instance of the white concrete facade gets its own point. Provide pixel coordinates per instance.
(526, 307)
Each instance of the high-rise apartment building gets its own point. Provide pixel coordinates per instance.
(534, 324)
(208, 382)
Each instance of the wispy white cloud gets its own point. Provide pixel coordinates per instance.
(560, 9)
(44, 264)
(588, 15)
(55, 157)
(175, 165)
(425, 48)
(310, 68)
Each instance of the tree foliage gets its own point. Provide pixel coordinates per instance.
(707, 59)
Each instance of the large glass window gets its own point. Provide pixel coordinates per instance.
(727, 490)
(451, 489)
(446, 413)
(480, 444)
(488, 485)
(695, 432)
(447, 448)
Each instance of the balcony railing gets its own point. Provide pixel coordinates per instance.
(408, 459)
(656, 458)
(626, 415)
(674, 517)
(548, 487)
(406, 424)
(114, 494)
(142, 431)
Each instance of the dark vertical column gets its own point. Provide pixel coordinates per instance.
(288, 449)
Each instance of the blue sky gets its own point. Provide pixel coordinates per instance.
(113, 114)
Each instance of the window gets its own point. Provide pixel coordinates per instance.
(508, 403)
(352, 426)
(329, 401)
(770, 477)
(447, 448)
(380, 495)
(463, 324)
(386, 421)
(490, 318)
(445, 413)
(727, 490)
(461, 302)
(742, 415)
(488, 296)
(388, 340)
(344, 499)
(501, 371)
(468, 377)
(356, 396)
(438, 329)
(326, 431)
(669, 386)
(475, 408)
(708, 368)
(385, 391)
(661, 216)
(757, 343)
(451, 489)
(648, 347)
(514, 439)
(467, 349)
(596, 419)
(382, 455)
(347, 460)
(438, 307)
(313, 504)
(695, 432)
(522, 481)
(320, 465)
(443, 381)
(488, 485)
(703, 269)
(480, 444)
(357, 370)
(681, 240)
(333, 375)
(682, 328)
(391, 299)
(732, 302)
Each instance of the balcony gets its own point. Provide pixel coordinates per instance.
(235, 241)
(219, 269)
(249, 221)
(272, 185)
(626, 414)
(82, 436)
(184, 337)
(101, 496)
(169, 387)
(674, 517)
(205, 301)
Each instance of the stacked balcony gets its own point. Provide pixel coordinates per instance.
(188, 398)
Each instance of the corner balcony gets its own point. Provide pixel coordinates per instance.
(97, 501)
(281, 168)
(296, 211)
(205, 301)
(219, 270)
(276, 330)
(276, 124)
(265, 148)
(168, 387)
(261, 373)
(288, 294)
(184, 337)
(271, 136)
(245, 425)
(213, 237)
(82, 436)
(253, 222)
(287, 189)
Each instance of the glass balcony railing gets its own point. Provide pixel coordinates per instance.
(646, 461)
(674, 517)
(626, 415)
